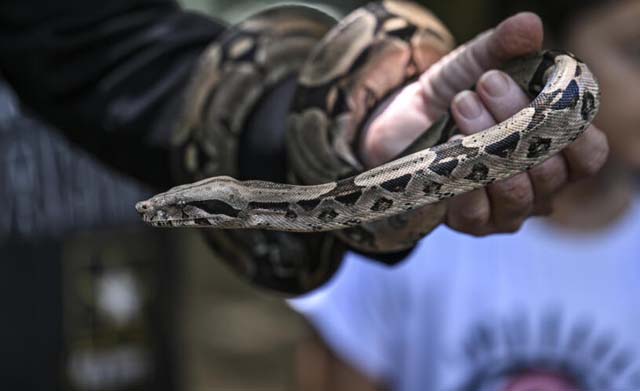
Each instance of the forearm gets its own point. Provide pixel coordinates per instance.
(109, 76)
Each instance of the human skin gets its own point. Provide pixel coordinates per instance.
(502, 206)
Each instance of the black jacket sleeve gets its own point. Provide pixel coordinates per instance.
(108, 74)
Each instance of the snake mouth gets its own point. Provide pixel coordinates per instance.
(165, 224)
(154, 221)
(162, 220)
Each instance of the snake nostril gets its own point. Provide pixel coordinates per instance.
(142, 207)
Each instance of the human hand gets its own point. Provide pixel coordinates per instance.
(502, 206)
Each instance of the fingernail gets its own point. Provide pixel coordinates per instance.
(468, 105)
(495, 83)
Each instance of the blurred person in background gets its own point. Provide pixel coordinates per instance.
(553, 307)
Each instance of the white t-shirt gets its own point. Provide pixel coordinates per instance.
(464, 313)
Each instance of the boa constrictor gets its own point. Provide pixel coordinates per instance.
(566, 102)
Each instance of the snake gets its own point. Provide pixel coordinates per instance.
(556, 117)
(355, 67)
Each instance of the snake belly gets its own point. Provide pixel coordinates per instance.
(556, 117)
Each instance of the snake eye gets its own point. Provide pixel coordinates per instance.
(181, 204)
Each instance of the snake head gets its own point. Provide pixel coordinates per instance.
(160, 212)
(202, 204)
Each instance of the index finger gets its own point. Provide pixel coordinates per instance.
(518, 35)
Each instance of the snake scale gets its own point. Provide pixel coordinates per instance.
(350, 70)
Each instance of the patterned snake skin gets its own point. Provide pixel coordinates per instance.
(357, 65)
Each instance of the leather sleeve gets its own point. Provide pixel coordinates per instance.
(108, 74)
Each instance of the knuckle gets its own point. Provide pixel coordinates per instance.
(515, 193)
(600, 155)
(468, 220)
(473, 217)
(588, 164)
(545, 176)
(591, 165)
(548, 176)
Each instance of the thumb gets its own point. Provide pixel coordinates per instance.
(516, 36)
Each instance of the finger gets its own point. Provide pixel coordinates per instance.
(511, 200)
(383, 137)
(470, 212)
(501, 95)
(587, 154)
(518, 35)
(470, 114)
(547, 179)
